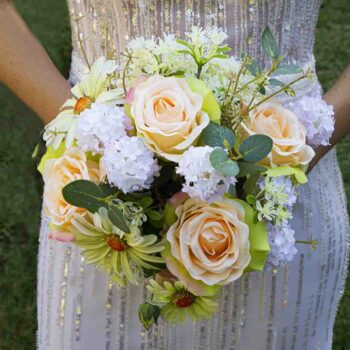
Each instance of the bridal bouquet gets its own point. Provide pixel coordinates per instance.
(176, 163)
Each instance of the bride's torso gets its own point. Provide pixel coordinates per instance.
(103, 27)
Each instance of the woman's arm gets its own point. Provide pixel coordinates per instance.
(339, 97)
(26, 68)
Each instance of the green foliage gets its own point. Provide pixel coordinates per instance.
(249, 168)
(285, 69)
(118, 219)
(84, 194)
(255, 148)
(214, 135)
(269, 44)
(220, 161)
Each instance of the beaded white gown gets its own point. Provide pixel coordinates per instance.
(289, 308)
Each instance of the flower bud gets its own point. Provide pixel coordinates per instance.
(148, 314)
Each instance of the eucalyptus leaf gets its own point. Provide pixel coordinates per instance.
(255, 148)
(222, 163)
(214, 135)
(117, 218)
(287, 69)
(246, 169)
(269, 43)
(84, 194)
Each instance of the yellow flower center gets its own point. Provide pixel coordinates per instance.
(183, 299)
(82, 104)
(116, 243)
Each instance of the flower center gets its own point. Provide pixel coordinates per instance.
(116, 243)
(183, 299)
(82, 104)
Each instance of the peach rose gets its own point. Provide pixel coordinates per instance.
(57, 173)
(168, 115)
(287, 133)
(210, 242)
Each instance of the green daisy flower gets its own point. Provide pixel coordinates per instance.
(177, 303)
(122, 255)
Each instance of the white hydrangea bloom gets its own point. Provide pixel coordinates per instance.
(101, 124)
(201, 179)
(282, 244)
(129, 164)
(317, 117)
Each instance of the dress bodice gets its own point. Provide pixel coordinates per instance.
(105, 26)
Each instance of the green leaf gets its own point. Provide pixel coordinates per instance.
(269, 43)
(255, 148)
(287, 171)
(287, 69)
(253, 68)
(146, 202)
(118, 219)
(223, 49)
(248, 169)
(251, 199)
(214, 135)
(259, 245)
(184, 43)
(290, 91)
(220, 161)
(262, 91)
(106, 189)
(250, 186)
(84, 194)
(276, 82)
(154, 215)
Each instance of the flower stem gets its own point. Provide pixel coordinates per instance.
(278, 91)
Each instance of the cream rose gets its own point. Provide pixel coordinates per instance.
(168, 115)
(287, 133)
(211, 242)
(58, 172)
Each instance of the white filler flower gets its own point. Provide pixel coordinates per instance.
(201, 179)
(101, 124)
(129, 164)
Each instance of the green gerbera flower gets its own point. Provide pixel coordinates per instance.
(122, 255)
(177, 303)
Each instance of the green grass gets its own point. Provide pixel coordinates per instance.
(21, 187)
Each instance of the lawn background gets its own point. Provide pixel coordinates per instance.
(21, 187)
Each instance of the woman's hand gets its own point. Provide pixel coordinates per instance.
(339, 97)
(26, 68)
